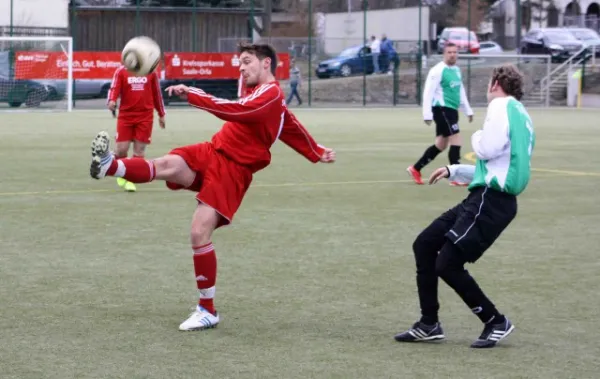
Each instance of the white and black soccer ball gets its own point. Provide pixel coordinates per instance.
(141, 55)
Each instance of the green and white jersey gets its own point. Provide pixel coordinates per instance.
(503, 149)
(444, 87)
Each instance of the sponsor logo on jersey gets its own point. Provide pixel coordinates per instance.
(137, 80)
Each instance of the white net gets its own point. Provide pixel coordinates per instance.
(36, 73)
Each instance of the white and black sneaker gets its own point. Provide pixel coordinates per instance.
(421, 333)
(101, 155)
(492, 334)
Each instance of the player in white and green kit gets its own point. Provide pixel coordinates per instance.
(443, 95)
(502, 171)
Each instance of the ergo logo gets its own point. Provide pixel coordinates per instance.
(137, 80)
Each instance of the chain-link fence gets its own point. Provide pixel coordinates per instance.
(348, 53)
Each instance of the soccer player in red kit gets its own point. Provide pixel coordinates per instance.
(140, 96)
(220, 171)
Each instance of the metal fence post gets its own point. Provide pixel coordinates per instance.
(11, 17)
(194, 25)
(11, 54)
(419, 56)
(137, 17)
(469, 47)
(548, 65)
(365, 4)
(310, 16)
(72, 8)
(251, 22)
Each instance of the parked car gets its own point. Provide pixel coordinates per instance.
(353, 60)
(16, 92)
(463, 38)
(557, 42)
(84, 88)
(490, 47)
(588, 37)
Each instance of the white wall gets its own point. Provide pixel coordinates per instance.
(341, 30)
(38, 13)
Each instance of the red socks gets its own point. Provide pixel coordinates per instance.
(205, 268)
(135, 170)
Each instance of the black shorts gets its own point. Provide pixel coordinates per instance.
(478, 221)
(446, 121)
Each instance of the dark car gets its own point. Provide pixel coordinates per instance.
(16, 92)
(588, 37)
(559, 43)
(354, 60)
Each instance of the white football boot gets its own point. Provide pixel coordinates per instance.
(101, 155)
(200, 319)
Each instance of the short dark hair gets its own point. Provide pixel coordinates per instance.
(510, 79)
(262, 51)
(449, 44)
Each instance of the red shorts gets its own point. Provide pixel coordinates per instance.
(221, 183)
(130, 130)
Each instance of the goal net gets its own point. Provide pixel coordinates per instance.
(476, 72)
(36, 73)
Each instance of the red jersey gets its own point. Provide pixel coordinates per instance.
(140, 95)
(253, 124)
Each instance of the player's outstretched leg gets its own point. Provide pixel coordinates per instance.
(104, 163)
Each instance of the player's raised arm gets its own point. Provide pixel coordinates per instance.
(491, 141)
(298, 138)
(248, 109)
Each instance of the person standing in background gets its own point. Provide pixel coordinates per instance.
(295, 79)
(375, 52)
(390, 55)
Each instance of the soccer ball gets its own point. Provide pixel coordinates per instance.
(141, 55)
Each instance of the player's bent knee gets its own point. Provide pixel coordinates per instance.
(424, 255)
(449, 261)
(455, 139)
(139, 149)
(121, 149)
(441, 143)
(204, 223)
(200, 236)
(174, 169)
(419, 244)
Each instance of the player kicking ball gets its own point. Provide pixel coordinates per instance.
(220, 171)
(140, 96)
(502, 171)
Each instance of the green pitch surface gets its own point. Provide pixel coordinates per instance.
(316, 275)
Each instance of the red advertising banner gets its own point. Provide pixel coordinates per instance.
(213, 66)
(102, 65)
(54, 65)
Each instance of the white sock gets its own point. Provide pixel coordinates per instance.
(120, 169)
(207, 293)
